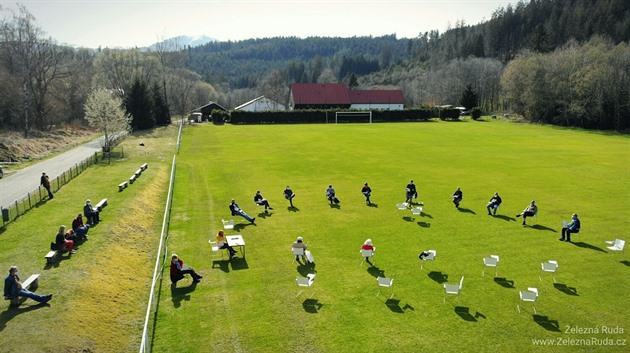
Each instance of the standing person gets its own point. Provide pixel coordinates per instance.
(237, 211)
(62, 242)
(494, 203)
(457, 197)
(222, 243)
(300, 244)
(367, 192)
(261, 201)
(13, 288)
(79, 228)
(529, 211)
(289, 195)
(571, 227)
(330, 195)
(45, 182)
(179, 269)
(91, 213)
(410, 192)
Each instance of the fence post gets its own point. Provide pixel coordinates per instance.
(29, 200)
(17, 209)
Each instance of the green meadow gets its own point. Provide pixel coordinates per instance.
(249, 304)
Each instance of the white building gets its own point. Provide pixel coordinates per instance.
(260, 104)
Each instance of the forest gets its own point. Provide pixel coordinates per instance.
(546, 61)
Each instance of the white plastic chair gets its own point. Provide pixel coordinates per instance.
(617, 244)
(297, 252)
(429, 257)
(453, 288)
(549, 266)
(385, 282)
(492, 261)
(305, 282)
(417, 211)
(216, 249)
(401, 206)
(367, 254)
(529, 295)
(229, 224)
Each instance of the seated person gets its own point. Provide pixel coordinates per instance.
(13, 288)
(330, 195)
(222, 244)
(367, 192)
(494, 203)
(261, 201)
(91, 213)
(236, 211)
(299, 244)
(457, 196)
(289, 195)
(571, 227)
(529, 211)
(368, 246)
(79, 228)
(179, 269)
(62, 242)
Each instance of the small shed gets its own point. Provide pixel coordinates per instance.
(206, 110)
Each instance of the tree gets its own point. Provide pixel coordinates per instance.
(353, 83)
(104, 111)
(160, 107)
(274, 87)
(469, 98)
(139, 104)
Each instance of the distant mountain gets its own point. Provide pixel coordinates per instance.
(181, 42)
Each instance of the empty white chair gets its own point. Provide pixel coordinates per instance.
(617, 244)
(417, 211)
(549, 266)
(529, 295)
(305, 282)
(453, 288)
(298, 252)
(385, 282)
(228, 224)
(492, 261)
(216, 249)
(429, 257)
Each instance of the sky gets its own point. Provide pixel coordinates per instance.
(140, 23)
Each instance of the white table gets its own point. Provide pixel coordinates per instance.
(236, 240)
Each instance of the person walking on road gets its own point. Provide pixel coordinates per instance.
(45, 182)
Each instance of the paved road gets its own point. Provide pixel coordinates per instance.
(18, 184)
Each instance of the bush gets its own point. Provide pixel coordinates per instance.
(475, 113)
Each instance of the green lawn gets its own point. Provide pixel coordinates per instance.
(249, 305)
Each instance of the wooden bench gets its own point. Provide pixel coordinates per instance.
(31, 284)
(101, 205)
(138, 173)
(132, 178)
(51, 257)
(122, 185)
(144, 167)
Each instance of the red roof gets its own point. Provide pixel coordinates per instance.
(320, 93)
(376, 97)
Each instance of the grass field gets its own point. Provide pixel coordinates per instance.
(250, 304)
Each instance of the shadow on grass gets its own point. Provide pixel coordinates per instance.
(424, 224)
(335, 206)
(464, 313)
(373, 205)
(505, 218)
(541, 227)
(305, 269)
(239, 263)
(566, 289)
(63, 257)
(505, 283)
(428, 215)
(264, 215)
(547, 323)
(466, 210)
(293, 209)
(408, 219)
(13, 311)
(182, 293)
(581, 244)
(375, 271)
(438, 276)
(625, 262)
(240, 226)
(312, 306)
(223, 265)
(394, 306)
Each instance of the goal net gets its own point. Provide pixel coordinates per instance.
(353, 117)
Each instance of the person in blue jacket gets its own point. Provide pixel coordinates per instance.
(569, 228)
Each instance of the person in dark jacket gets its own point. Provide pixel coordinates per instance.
(62, 241)
(410, 192)
(457, 197)
(289, 195)
(45, 182)
(367, 192)
(237, 211)
(494, 203)
(570, 228)
(13, 288)
(179, 269)
(261, 201)
(91, 213)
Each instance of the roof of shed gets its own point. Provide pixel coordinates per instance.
(376, 96)
(320, 93)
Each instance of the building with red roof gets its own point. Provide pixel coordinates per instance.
(338, 96)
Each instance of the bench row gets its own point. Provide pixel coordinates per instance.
(133, 178)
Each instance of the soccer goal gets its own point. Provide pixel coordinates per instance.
(353, 117)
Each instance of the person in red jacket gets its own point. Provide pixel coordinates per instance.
(179, 269)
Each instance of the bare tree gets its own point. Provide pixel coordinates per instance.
(103, 110)
(274, 87)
